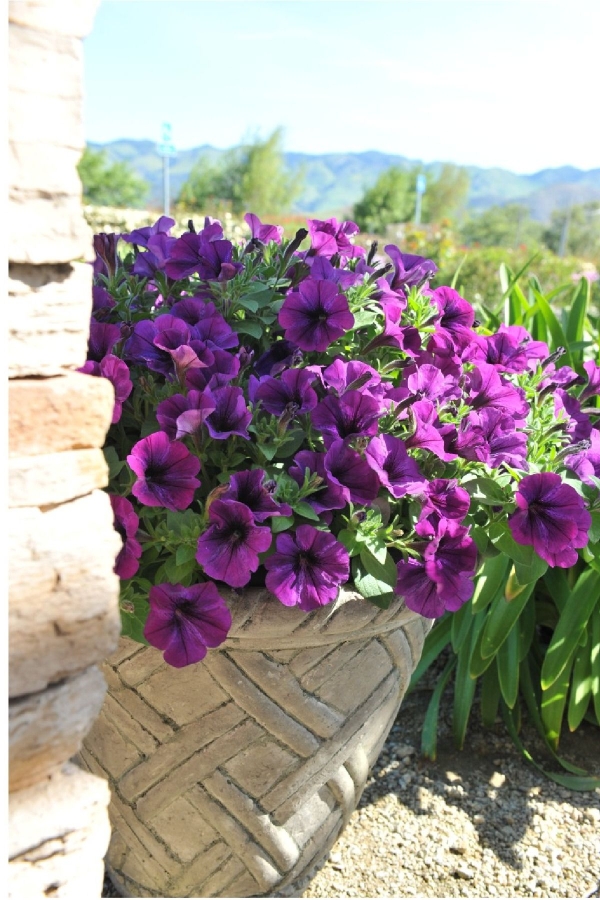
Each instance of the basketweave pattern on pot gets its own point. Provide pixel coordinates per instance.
(242, 783)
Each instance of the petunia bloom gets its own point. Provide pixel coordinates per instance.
(166, 472)
(261, 231)
(396, 470)
(307, 568)
(126, 523)
(228, 549)
(249, 488)
(185, 621)
(315, 315)
(551, 517)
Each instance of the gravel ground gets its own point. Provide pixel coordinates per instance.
(479, 823)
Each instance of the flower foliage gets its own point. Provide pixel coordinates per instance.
(298, 414)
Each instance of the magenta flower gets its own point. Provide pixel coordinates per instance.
(329, 237)
(262, 232)
(185, 621)
(228, 550)
(315, 315)
(330, 495)
(171, 417)
(585, 462)
(352, 473)
(165, 471)
(126, 523)
(444, 499)
(249, 488)
(409, 270)
(307, 568)
(396, 470)
(351, 415)
(551, 517)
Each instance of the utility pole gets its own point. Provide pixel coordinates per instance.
(421, 185)
(166, 149)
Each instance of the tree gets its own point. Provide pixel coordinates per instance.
(502, 226)
(106, 184)
(446, 195)
(580, 226)
(250, 177)
(391, 199)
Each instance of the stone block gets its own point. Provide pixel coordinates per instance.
(49, 310)
(53, 478)
(46, 63)
(61, 233)
(47, 728)
(58, 18)
(50, 415)
(63, 594)
(44, 168)
(59, 832)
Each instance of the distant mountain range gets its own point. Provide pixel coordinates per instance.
(333, 182)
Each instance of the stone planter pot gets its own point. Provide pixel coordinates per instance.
(233, 777)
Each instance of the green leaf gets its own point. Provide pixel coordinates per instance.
(377, 548)
(554, 700)
(577, 314)
(581, 685)
(462, 620)
(526, 574)
(248, 303)
(479, 664)
(594, 532)
(133, 616)
(559, 339)
(281, 523)
(501, 538)
(292, 442)
(490, 696)
(365, 583)
(464, 685)
(429, 729)
(502, 616)
(507, 662)
(491, 579)
(485, 490)
(595, 661)
(305, 510)
(113, 462)
(571, 623)
(244, 326)
(436, 640)
(385, 572)
(185, 553)
(348, 539)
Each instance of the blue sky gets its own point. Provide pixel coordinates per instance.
(511, 84)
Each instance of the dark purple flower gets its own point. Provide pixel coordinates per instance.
(102, 302)
(551, 517)
(158, 253)
(429, 382)
(179, 415)
(165, 471)
(231, 415)
(394, 334)
(329, 237)
(102, 339)
(578, 424)
(321, 269)
(224, 368)
(117, 372)
(307, 568)
(457, 315)
(354, 375)
(396, 470)
(355, 476)
(185, 621)
(351, 415)
(228, 549)
(487, 389)
(281, 355)
(586, 462)
(409, 270)
(126, 523)
(505, 443)
(105, 246)
(429, 433)
(292, 386)
(211, 259)
(140, 236)
(443, 580)
(330, 495)
(444, 499)
(151, 343)
(262, 232)
(248, 488)
(592, 387)
(315, 315)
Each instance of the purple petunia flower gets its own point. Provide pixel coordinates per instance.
(586, 462)
(409, 270)
(315, 315)
(117, 372)
(165, 471)
(346, 467)
(228, 549)
(444, 499)
(488, 390)
(329, 237)
(292, 386)
(107, 258)
(262, 232)
(126, 523)
(351, 415)
(102, 339)
(551, 517)
(396, 470)
(151, 343)
(231, 415)
(307, 568)
(330, 495)
(141, 236)
(443, 580)
(185, 621)
(592, 387)
(211, 259)
(248, 488)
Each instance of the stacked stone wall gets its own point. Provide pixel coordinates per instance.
(63, 594)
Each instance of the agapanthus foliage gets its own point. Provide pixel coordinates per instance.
(301, 414)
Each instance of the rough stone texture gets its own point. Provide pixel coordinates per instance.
(250, 775)
(58, 835)
(50, 415)
(62, 591)
(49, 308)
(47, 728)
(46, 101)
(54, 478)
